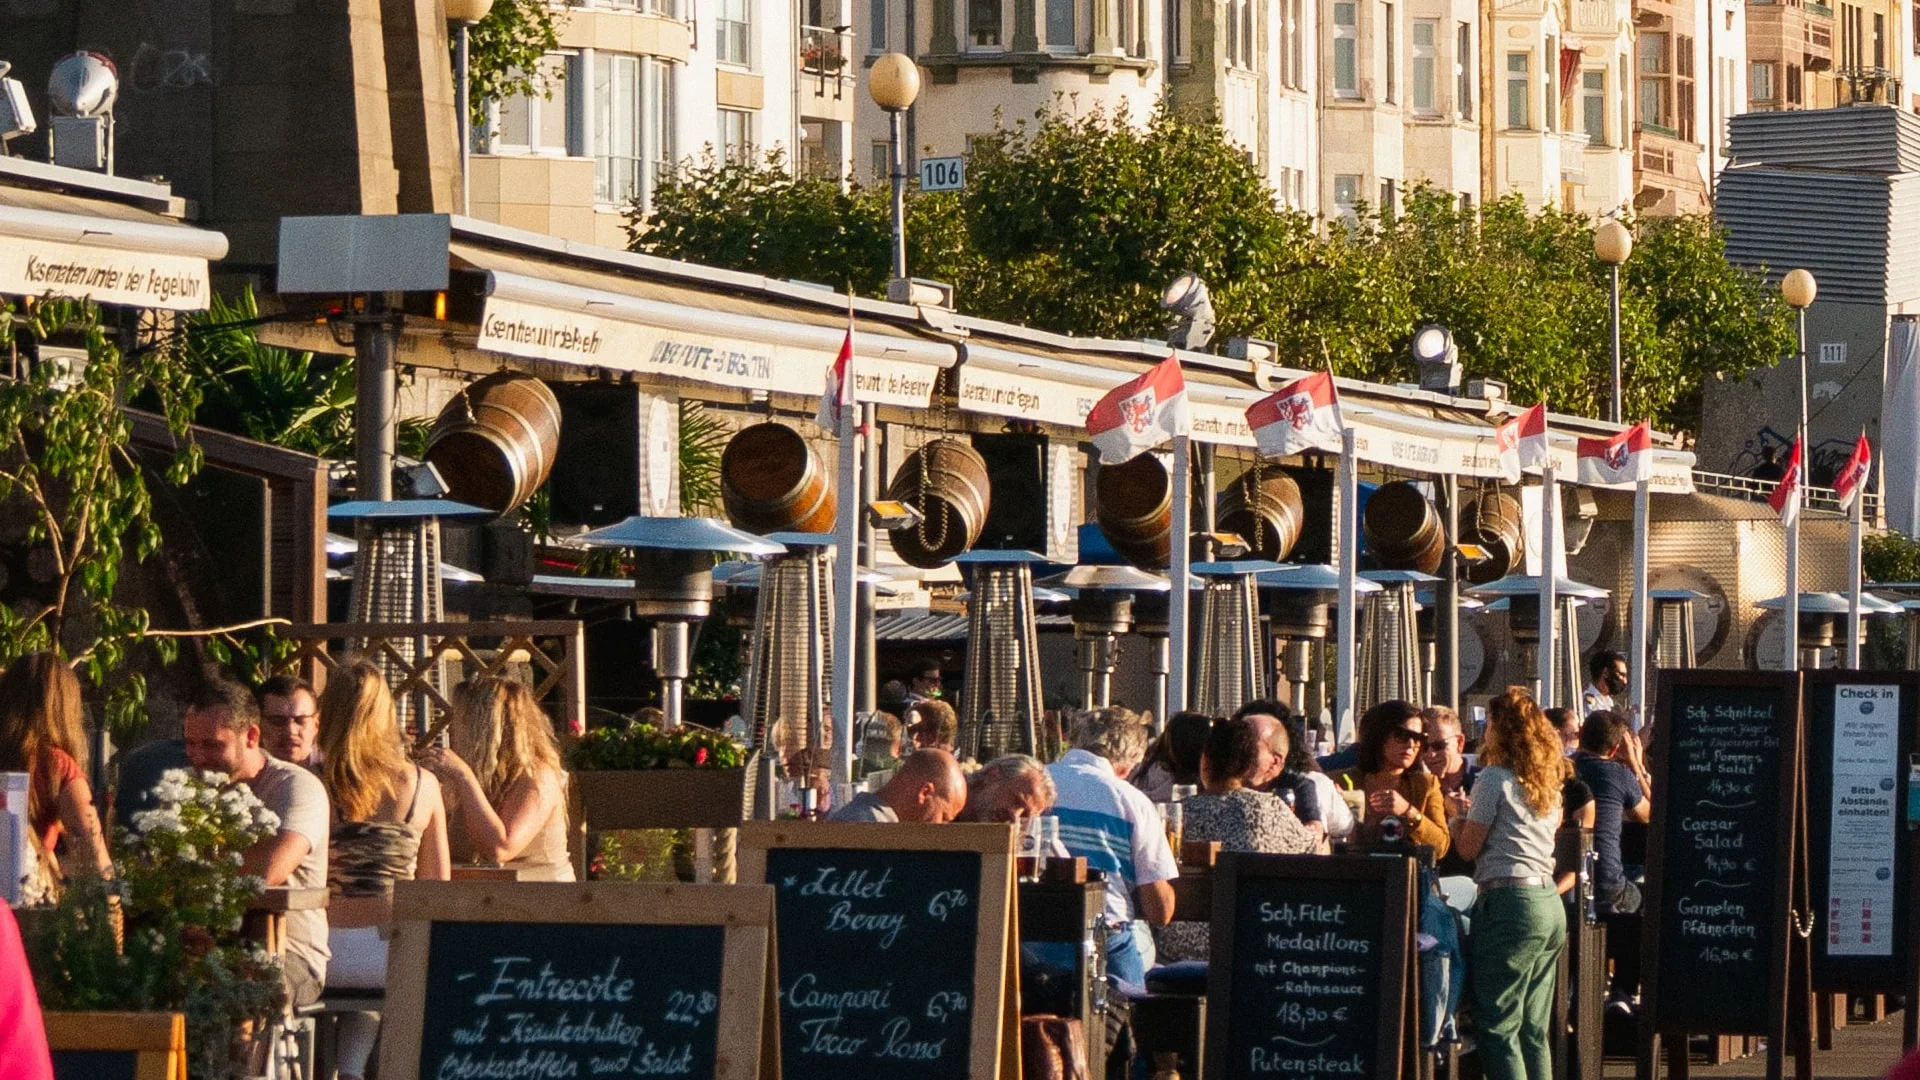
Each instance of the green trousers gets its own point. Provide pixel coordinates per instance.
(1517, 937)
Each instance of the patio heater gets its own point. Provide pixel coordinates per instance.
(1427, 625)
(1673, 646)
(1001, 702)
(397, 578)
(1232, 666)
(1390, 666)
(1104, 601)
(1519, 596)
(790, 657)
(1300, 599)
(673, 585)
(1821, 615)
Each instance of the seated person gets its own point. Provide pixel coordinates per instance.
(502, 780)
(933, 725)
(1393, 735)
(1610, 762)
(39, 726)
(290, 720)
(928, 789)
(1014, 788)
(1285, 768)
(1173, 759)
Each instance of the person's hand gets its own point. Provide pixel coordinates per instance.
(443, 763)
(1459, 804)
(1388, 804)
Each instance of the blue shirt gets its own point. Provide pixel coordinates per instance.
(1615, 791)
(1112, 825)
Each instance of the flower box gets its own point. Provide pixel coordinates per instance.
(665, 798)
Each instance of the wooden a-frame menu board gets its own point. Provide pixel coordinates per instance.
(898, 948)
(580, 979)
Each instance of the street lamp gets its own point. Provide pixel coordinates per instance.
(1798, 289)
(893, 84)
(463, 14)
(1612, 243)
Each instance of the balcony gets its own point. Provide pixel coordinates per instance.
(826, 78)
(1815, 8)
(1596, 17)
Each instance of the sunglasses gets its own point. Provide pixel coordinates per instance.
(1405, 736)
(1439, 745)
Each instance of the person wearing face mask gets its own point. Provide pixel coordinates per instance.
(1606, 677)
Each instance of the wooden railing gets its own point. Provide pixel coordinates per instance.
(416, 657)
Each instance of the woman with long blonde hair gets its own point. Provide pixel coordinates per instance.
(504, 781)
(388, 825)
(41, 735)
(1519, 926)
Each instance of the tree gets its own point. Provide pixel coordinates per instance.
(504, 51)
(1076, 224)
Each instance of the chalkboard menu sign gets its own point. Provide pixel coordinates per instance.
(1721, 852)
(579, 980)
(894, 947)
(1860, 729)
(115, 1046)
(1311, 966)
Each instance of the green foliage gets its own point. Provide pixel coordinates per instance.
(703, 438)
(643, 746)
(504, 52)
(266, 393)
(1890, 556)
(164, 933)
(1075, 224)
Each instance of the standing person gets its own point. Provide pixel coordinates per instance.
(1393, 735)
(1115, 827)
(221, 734)
(1173, 759)
(928, 788)
(1606, 676)
(1566, 723)
(1237, 816)
(926, 684)
(1519, 925)
(388, 825)
(39, 719)
(503, 782)
(290, 719)
(1609, 761)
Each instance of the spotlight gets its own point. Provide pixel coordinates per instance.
(1192, 308)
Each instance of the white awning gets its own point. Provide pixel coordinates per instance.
(140, 263)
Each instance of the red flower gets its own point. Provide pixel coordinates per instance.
(700, 756)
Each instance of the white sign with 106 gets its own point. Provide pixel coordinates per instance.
(943, 174)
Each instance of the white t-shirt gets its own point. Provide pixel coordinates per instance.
(1593, 701)
(1113, 825)
(300, 799)
(1335, 814)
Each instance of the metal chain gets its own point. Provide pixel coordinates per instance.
(1804, 929)
(925, 452)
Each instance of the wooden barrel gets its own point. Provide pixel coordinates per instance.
(1403, 530)
(1136, 510)
(1266, 512)
(495, 442)
(772, 481)
(956, 499)
(1492, 520)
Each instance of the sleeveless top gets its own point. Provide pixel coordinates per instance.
(545, 856)
(365, 858)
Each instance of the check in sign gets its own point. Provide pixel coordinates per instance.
(943, 174)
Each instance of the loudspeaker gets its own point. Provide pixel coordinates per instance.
(1316, 519)
(619, 454)
(1017, 478)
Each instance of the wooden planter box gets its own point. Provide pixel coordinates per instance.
(665, 798)
(140, 1046)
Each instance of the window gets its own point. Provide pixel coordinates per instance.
(1389, 197)
(1060, 26)
(535, 123)
(632, 125)
(879, 157)
(1390, 53)
(1760, 82)
(1180, 25)
(877, 26)
(1346, 190)
(1683, 88)
(1246, 34)
(1879, 40)
(1519, 94)
(1793, 84)
(1233, 30)
(1296, 46)
(734, 30)
(1425, 62)
(983, 22)
(1593, 106)
(1464, 70)
(1626, 102)
(1656, 100)
(1550, 71)
(735, 131)
(1346, 46)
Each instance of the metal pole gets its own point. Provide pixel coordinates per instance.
(1853, 583)
(866, 691)
(845, 629)
(1180, 573)
(1549, 607)
(1642, 615)
(373, 409)
(1792, 610)
(896, 150)
(1446, 597)
(463, 113)
(1345, 632)
(1613, 409)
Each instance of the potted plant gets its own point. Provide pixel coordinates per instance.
(647, 777)
(163, 934)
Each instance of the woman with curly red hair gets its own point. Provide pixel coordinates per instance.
(1519, 926)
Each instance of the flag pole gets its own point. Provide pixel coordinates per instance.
(1642, 613)
(846, 566)
(1344, 718)
(1549, 617)
(1791, 611)
(1853, 570)
(1180, 574)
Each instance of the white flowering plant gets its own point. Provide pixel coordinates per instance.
(164, 933)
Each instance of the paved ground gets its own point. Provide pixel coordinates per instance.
(1860, 1052)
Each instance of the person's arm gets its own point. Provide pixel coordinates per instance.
(434, 864)
(1470, 831)
(1154, 901)
(1427, 823)
(497, 835)
(1640, 811)
(83, 826)
(276, 858)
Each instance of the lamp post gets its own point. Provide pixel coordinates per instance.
(1798, 289)
(1612, 244)
(463, 14)
(894, 83)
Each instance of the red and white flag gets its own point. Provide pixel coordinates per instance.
(1302, 415)
(839, 389)
(1522, 442)
(1622, 461)
(1138, 414)
(1853, 475)
(1785, 499)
